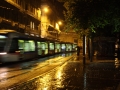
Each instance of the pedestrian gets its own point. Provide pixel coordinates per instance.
(78, 50)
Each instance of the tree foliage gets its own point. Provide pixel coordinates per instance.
(86, 16)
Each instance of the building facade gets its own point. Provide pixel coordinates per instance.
(29, 17)
(26, 16)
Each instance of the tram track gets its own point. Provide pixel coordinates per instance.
(24, 70)
(17, 72)
(30, 72)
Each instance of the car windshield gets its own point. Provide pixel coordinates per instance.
(2, 42)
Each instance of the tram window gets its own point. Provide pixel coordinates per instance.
(63, 46)
(74, 46)
(38, 44)
(69, 47)
(44, 46)
(29, 46)
(26, 48)
(39, 48)
(57, 47)
(13, 46)
(2, 42)
(32, 45)
(21, 44)
(51, 46)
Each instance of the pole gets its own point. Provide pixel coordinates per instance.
(91, 49)
(83, 49)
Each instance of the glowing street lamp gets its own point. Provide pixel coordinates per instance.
(45, 9)
(60, 23)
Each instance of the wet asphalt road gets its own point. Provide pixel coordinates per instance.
(73, 75)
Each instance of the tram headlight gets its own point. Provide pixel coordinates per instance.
(3, 53)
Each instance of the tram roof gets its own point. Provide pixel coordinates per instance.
(22, 35)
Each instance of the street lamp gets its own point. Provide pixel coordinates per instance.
(60, 23)
(45, 9)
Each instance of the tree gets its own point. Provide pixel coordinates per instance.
(92, 17)
(86, 16)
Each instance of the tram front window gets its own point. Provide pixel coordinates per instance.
(2, 42)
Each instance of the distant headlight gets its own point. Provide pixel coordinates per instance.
(3, 53)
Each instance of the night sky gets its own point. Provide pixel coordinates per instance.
(60, 8)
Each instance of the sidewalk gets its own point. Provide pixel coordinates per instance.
(100, 74)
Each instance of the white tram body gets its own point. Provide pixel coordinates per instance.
(15, 46)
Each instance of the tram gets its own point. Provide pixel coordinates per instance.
(15, 46)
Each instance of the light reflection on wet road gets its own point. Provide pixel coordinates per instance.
(67, 77)
(73, 75)
(21, 72)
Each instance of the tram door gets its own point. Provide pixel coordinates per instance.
(57, 48)
(68, 47)
(39, 48)
(51, 48)
(44, 48)
(63, 47)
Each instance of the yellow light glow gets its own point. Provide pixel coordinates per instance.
(57, 26)
(45, 9)
(45, 82)
(60, 23)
